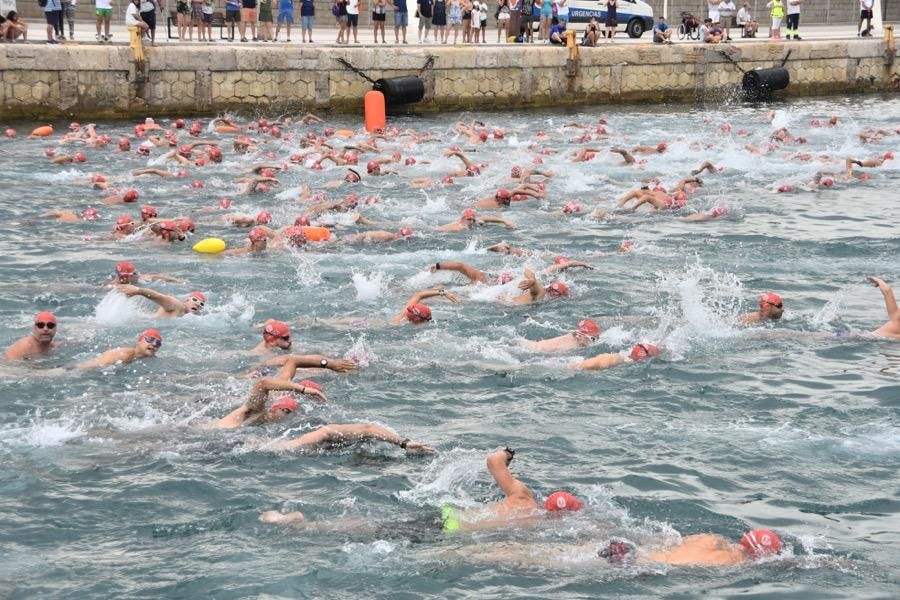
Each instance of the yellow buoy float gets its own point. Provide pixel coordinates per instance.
(210, 246)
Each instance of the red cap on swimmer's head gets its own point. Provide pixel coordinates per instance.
(561, 260)
(418, 313)
(761, 542)
(80, 157)
(473, 170)
(373, 166)
(152, 334)
(447, 179)
(717, 212)
(123, 222)
(642, 351)
(89, 214)
(186, 226)
(351, 176)
(557, 289)
(276, 329)
(661, 147)
(405, 231)
(503, 194)
(284, 403)
(130, 196)
(558, 501)
(587, 327)
(888, 156)
(257, 234)
(468, 215)
(769, 298)
(302, 221)
(483, 135)
(827, 181)
(572, 207)
(125, 268)
(409, 161)
(504, 278)
(263, 218)
(148, 212)
(515, 171)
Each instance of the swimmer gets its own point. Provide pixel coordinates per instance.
(707, 166)
(585, 334)
(349, 203)
(474, 275)
(276, 336)
(517, 508)
(253, 411)
(259, 242)
(67, 216)
(290, 363)
(468, 220)
(702, 549)
(151, 171)
(891, 329)
(148, 344)
(169, 306)
(502, 197)
(127, 273)
(771, 308)
(564, 263)
(706, 216)
(471, 169)
(124, 227)
(504, 248)
(38, 342)
(254, 185)
(262, 218)
(534, 290)
(626, 156)
(642, 149)
(121, 197)
(338, 435)
(375, 237)
(416, 312)
(601, 362)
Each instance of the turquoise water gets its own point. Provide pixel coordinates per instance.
(108, 488)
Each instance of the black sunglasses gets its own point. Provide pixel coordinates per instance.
(779, 305)
(43, 325)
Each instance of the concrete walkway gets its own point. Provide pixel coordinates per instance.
(326, 36)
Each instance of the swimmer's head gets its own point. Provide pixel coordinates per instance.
(446, 179)
(130, 196)
(771, 306)
(661, 147)
(498, 134)
(373, 167)
(561, 260)
(44, 327)
(90, 214)
(195, 302)
(148, 212)
(214, 154)
(295, 236)
(827, 181)
(643, 351)
(785, 188)
(124, 144)
(302, 221)
(258, 238)
(503, 195)
(473, 170)
(405, 232)
(149, 341)
(267, 173)
(679, 198)
(351, 176)
(504, 278)
(626, 246)
(888, 156)
(557, 289)
(717, 212)
(125, 224)
(186, 226)
(468, 217)
(168, 230)
(515, 172)
(74, 126)
(350, 200)
(559, 501)
(126, 272)
(10, 132)
(185, 151)
(79, 157)
(483, 135)
(586, 332)
(760, 542)
(277, 334)
(572, 208)
(833, 120)
(282, 408)
(145, 147)
(418, 313)
(264, 218)
(179, 123)
(409, 161)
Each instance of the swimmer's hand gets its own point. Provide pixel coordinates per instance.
(451, 297)
(127, 289)
(877, 282)
(308, 391)
(273, 516)
(418, 448)
(340, 365)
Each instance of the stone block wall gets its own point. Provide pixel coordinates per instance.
(45, 82)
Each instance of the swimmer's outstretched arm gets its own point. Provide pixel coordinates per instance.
(629, 159)
(505, 248)
(166, 302)
(255, 405)
(291, 362)
(572, 264)
(531, 285)
(501, 221)
(474, 275)
(333, 435)
(600, 362)
(400, 317)
(890, 302)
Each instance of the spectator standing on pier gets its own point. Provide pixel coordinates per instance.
(232, 16)
(307, 19)
(53, 15)
(68, 7)
(454, 18)
(424, 12)
(197, 21)
(611, 22)
(286, 17)
(401, 20)
(562, 11)
(248, 17)
(713, 8)
(793, 19)
(148, 15)
(265, 20)
(865, 14)
(379, 16)
(777, 14)
(339, 10)
(502, 15)
(726, 17)
(475, 19)
(439, 20)
(353, 21)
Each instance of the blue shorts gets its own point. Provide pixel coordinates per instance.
(306, 21)
(286, 16)
(401, 19)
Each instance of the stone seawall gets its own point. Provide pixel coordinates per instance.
(44, 82)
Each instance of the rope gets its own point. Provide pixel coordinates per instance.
(726, 55)
(355, 70)
(428, 64)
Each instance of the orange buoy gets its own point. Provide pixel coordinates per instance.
(376, 119)
(42, 131)
(227, 129)
(344, 133)
(316, 234)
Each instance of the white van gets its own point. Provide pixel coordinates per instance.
(634, 17)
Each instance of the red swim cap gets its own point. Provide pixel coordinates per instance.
(587, 327)
(179, 123)
(185, 151)
(264, 218)
(89, 214)
(257, 234)
(200, 162)
(198, 297)
(761, 542)
(515, 171)
(409, 161)
(98, 179)
(302, 221)
(828, 182)
(498, 134)
(197, 184)
(717, 212)
(276, 329)
(785, 188)
(864, 176)
(483, 135)
(45, 316)
(80, 157)
(125, 268)
(680, 198)
(815, 122)
(328, 131)
(504, 278)
(276, 132)
(468, 215)
(167, 226)
(350, 200)
(124, 222)
(186, 225)
(130, 196)
(561, 260)
(558, 501)
(447, 179)
(418, 313)
(405, 232)
(503, 194)
(626, 246)
(642, 351)
(267, 173)
(351, 176)
(557, 289)
(151, 332)
(372, 166)
(538, 160)
(661, 147)
(473, 170)
(769, 298)
(10, 132)
(295, 158)
(572, 207)
(888, 156)
(214, 154)
(308, 383)
(225, 203)
(49, 152)
(148, 212)
(284, 403)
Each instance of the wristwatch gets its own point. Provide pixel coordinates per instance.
(324, 362)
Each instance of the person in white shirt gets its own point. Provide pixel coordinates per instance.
(726, 17)
(475, 28)
(133, 16)
(353, 18)
(746, 22)
(793, 19)
(714, 10)
(865, 14)
(562, 11)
